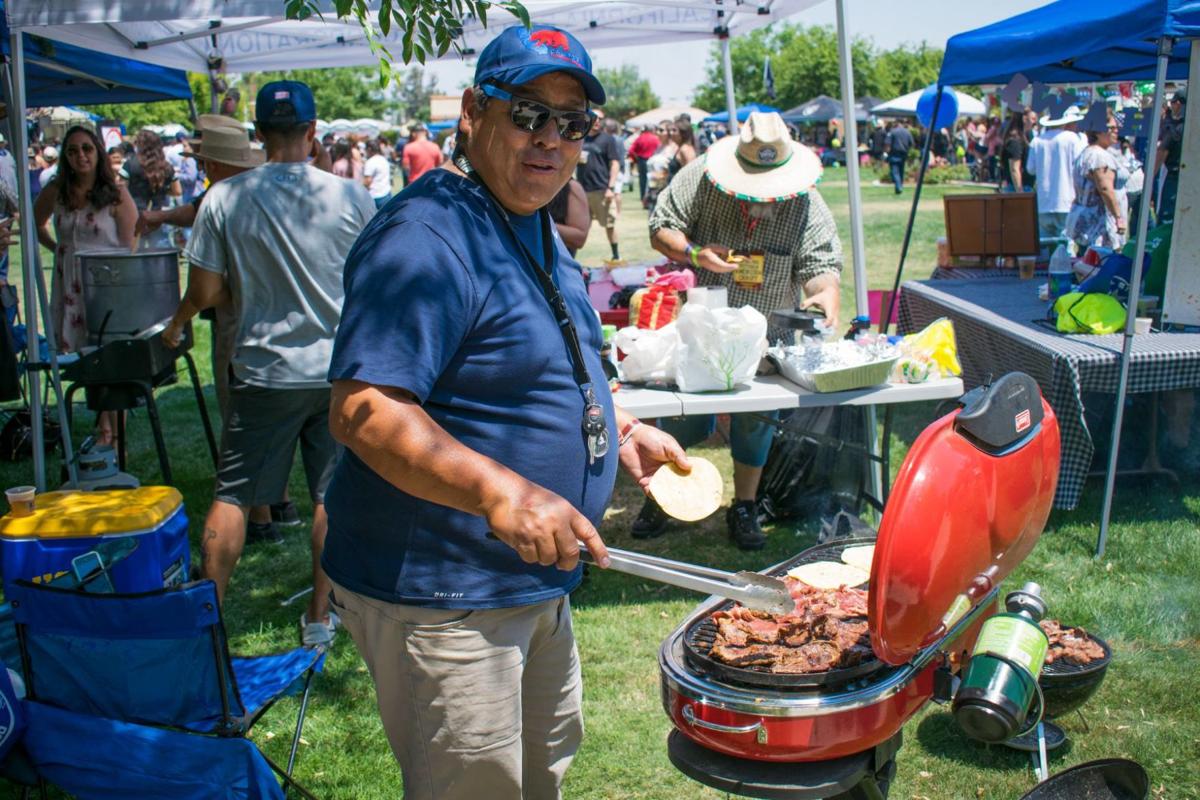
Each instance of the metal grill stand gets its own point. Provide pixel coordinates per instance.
(123, 374)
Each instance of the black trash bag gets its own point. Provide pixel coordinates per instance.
(810, 472)
(844, 525)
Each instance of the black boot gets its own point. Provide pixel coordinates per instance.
(651, 521)
(742, 519)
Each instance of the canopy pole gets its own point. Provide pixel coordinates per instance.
(29, 255)
(1165, 45)
(730, 103)
(850, 140)
(912, 214)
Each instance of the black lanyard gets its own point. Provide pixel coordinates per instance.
(595, 429)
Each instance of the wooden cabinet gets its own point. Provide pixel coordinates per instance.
(992, 224)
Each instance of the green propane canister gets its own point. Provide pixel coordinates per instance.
(1001, 681)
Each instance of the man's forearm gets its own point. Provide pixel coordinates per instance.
(671, 243)
(820, 282)
(614, 173)
(397, 439)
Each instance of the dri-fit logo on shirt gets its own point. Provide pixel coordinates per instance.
(449, 595)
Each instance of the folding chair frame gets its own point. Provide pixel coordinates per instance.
(229, 724)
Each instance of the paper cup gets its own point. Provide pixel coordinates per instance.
(1025, 266)
(20, 500)
(1142, 324)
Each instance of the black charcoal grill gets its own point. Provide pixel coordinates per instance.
(122, 374)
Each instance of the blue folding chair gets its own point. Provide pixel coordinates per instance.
(101, 759)
(157, 658)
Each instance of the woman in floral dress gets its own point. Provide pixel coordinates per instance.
(88, 210)
(1099, 215)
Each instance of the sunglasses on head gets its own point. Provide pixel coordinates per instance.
(532, 116)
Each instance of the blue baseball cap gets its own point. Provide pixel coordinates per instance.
(285, 103)
(519, 55)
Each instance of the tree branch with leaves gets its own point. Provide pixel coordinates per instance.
(426, 28)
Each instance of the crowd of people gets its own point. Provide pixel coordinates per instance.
(434, 355)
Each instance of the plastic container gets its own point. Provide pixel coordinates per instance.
(20, 500)
(1060, 273)
(839, 380)
(42, 546)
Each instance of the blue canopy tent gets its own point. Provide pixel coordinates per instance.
(1074, 41)
(743, 113)
(1077, 41)
(58, 74)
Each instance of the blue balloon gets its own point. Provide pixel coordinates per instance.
(947, 111)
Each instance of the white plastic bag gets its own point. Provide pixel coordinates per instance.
(649, 354)
(719, 348)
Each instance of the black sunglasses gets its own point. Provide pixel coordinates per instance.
(532, 116)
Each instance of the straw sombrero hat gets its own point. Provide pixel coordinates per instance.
(230, 146)
(208, 122)
(762, 164)
(1071, 115)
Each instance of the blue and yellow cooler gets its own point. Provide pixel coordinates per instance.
(66, 524)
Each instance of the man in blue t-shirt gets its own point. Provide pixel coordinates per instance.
(475, 419)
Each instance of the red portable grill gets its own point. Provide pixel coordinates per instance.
(969, 504)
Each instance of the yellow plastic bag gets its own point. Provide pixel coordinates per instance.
(1093, 313)
(934, 345)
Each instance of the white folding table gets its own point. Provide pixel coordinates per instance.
(776, 393)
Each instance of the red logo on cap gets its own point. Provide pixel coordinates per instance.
(553, 39)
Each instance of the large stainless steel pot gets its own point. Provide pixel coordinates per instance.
(126, 292)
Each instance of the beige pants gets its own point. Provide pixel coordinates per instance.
(475, 704)
(603, 211)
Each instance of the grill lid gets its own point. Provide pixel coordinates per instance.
(962, 515)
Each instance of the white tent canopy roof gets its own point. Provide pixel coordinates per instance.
(906, 105)
(251, 35)
(657, 115)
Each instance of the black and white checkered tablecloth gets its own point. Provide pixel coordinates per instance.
(1007, 273)
(994, 323)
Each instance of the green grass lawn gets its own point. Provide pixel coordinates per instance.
(1143, 597)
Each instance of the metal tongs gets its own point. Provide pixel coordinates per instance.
(751, 589)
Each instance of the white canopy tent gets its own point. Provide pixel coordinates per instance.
(657, 115)
(906, 105)
(252, 35)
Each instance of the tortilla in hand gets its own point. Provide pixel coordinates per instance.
(688, 496)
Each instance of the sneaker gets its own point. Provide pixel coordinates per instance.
(318, 634)
(651, 521)
(742, 519)
(257, 532)
(285, 514)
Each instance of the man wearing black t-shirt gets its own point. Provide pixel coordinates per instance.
(599, 172)
(898, 142)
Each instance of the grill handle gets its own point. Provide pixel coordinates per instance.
(757, 727)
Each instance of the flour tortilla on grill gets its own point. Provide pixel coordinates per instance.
(829, 575)
(688, 496)
(860, 557)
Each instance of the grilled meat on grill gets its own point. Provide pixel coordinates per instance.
(1072, 645)
(827, 630)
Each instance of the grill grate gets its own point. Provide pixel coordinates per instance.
(1062, 667)
(700, 638)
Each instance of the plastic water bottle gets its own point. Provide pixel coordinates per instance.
(1060, 273)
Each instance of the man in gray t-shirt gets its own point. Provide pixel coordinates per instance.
(274, 239)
